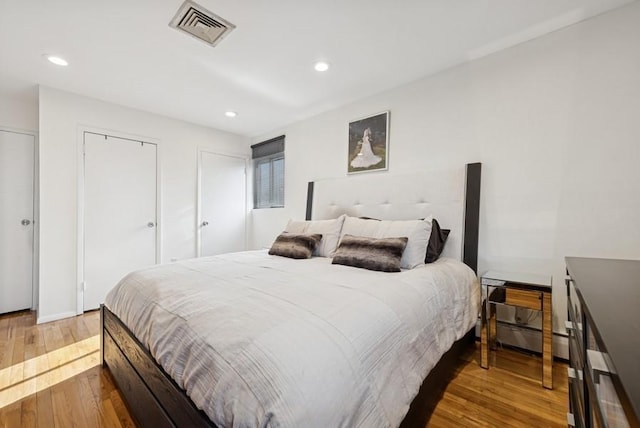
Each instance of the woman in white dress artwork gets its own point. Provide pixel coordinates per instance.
(365, 158)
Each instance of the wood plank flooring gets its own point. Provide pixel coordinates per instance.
(508, 394)
(50, 377)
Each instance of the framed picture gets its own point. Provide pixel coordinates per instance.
(369, 144)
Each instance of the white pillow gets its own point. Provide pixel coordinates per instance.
(329, 229)
(418, 232)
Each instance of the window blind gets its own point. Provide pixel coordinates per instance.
(268, 148)
(268, 173)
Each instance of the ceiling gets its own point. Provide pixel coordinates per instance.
(124, 51)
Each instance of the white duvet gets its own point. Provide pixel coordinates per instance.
(265, 341)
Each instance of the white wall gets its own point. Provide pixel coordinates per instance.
(62, 116)
(554, 121)
(18, 112)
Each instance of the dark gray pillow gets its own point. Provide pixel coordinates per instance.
(436, 242)
(294, 245)
(381, 254)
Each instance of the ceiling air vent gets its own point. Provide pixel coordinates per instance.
(198, 22)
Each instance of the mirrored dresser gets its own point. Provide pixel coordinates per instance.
(603, 304)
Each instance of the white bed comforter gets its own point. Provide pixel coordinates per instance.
(265, 341)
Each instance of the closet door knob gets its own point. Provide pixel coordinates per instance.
(150, 224)
(205, 223)
(25, 222)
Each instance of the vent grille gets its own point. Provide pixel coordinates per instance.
(201, 23)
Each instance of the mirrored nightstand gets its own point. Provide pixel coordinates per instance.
(523, 290)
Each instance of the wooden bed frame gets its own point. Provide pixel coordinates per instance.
(155, 400)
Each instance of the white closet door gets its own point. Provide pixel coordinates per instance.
(16, 221)
(119, 212)
(222, 204)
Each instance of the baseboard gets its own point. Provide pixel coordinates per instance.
(529, 338)
(55, 317)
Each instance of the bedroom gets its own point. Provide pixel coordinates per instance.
(548, 105)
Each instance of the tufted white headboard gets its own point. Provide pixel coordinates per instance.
(451, 195)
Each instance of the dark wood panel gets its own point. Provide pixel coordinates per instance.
(472, 216)
(142, 404)
(309, 200)
(171, 397)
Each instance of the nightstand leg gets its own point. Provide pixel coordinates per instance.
(547, 342)
(484, 331)
(493, 326)
(488, 332)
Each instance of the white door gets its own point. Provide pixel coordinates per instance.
(119, 212)
(16, 221)
(222, 204)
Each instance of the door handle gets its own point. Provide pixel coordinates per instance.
(150, 224)
(205, 223)
(25, 222)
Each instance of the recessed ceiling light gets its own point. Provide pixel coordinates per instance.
(56, 60)
(230, 113)
(321, 66)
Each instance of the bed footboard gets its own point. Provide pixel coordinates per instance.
(155, 400)
(152, 397)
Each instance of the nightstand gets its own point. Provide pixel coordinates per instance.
(523, 290)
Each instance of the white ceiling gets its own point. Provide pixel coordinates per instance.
(124, 51)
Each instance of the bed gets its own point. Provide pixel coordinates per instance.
(249, 339)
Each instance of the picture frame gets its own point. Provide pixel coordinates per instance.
(368, 145)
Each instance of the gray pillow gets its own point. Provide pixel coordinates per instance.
(294, 245)
(381, 254)
(329, 229)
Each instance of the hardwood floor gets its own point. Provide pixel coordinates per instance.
(50, 377)
(508, 394)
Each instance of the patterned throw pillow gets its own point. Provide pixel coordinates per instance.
(295, 246)
(381, 254)
(417, 232)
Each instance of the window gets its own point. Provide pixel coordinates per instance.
(268, 173)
